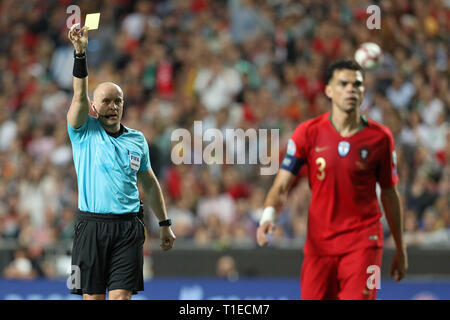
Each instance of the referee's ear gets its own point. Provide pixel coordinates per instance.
(92, 111)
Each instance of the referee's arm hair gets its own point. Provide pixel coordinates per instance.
(79, 108)
(154, 193)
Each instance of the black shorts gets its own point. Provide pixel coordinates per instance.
(107, 253)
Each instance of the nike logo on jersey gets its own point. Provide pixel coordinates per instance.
(320, 149)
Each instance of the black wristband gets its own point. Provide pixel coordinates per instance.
(165, 223)
(80, 65)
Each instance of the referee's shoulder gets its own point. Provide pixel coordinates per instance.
(134, 132)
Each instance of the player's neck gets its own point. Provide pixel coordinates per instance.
(346, 123)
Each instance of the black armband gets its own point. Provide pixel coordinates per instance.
(80, 65)
(165, 223)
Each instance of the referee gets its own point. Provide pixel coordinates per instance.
(109, 158)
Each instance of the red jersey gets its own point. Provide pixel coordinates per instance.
(344, 214)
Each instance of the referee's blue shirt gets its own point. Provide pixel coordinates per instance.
(106, 167)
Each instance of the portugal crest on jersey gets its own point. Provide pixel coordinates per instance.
(364, 153)
(343, 148)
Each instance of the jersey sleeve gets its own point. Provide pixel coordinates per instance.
(80, 134)
(146, 156)
(387, 169)
(296, 151)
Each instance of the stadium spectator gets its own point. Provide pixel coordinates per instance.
(21, 267)
(216, 84)
(226, 268)
(216, 203)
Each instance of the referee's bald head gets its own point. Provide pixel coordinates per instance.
(107, 86)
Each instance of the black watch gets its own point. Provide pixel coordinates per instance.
(165, 223)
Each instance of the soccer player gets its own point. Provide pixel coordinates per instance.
(346, 156)
(109, 158)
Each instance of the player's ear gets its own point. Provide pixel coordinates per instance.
(328, 91)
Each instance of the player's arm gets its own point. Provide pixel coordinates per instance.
(387, 178)
(275, 199)
(392, 208)
(154, 193)
(79, 108)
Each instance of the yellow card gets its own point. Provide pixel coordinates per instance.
(92, 20)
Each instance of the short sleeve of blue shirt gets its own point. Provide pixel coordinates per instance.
(145, 165)
(80, 134)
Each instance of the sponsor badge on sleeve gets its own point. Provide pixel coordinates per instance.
(135, 162)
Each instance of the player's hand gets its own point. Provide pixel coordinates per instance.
(399, 265)
(261, 234)
(79, 38)
(167, 238)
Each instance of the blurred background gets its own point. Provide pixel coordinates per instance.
(232, 64)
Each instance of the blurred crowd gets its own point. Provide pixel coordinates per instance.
(231, 64)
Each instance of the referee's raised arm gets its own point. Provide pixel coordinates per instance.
(79, 109)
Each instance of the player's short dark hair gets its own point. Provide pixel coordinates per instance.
(340, 65)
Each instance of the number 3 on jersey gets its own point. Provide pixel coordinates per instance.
(321, 167)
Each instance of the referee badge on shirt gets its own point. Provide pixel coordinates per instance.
(135, 162)
(343, 148)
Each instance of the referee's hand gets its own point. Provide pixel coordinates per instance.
(167, 238)
(79, 38)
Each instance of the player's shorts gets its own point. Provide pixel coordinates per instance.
(107, 253)
(352, 276)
